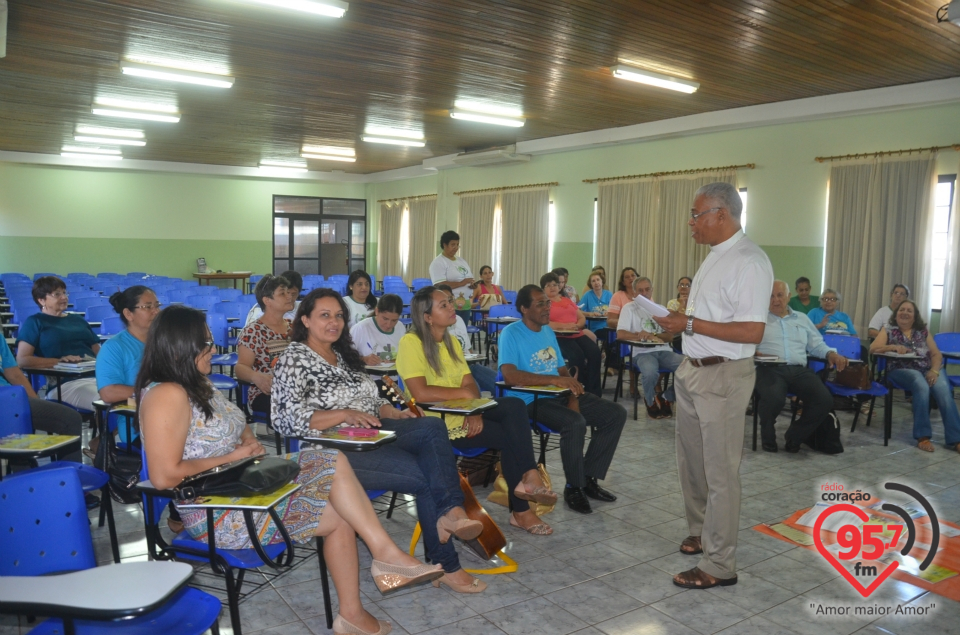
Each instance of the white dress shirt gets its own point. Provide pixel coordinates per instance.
(732, 285)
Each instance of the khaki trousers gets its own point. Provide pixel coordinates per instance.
(711, 402)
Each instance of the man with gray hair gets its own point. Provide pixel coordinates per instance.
(725, 318)
(791, 336)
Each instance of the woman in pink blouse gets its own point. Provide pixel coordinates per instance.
(568, 322)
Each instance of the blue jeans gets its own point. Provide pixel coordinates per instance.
(649, 365)
(485, 377)
(420, 462)
(915, 382)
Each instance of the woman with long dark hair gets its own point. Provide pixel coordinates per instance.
(188, 427)
(320, 383)
(360, 299)
(433, 368)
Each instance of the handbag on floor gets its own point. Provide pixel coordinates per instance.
(501, 492)
(854, 376)
(826, 438)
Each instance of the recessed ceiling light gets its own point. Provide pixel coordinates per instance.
(394, 142)
(328, 157)
(175, 75)
(329, 8)
(110, 132)
(87, 155)
(135, 110)
(339, 151)
(654, 79)
(498, 121)
(298, 166)
(135, 105)
(487, 108)
(130, 114)
(380, 131)
(108, 140)
(90, 150)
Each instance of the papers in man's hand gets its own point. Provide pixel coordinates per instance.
(651, 307)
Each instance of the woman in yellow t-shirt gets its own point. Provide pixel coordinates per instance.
(433, 369)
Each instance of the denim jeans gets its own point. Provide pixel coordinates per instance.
(649, 365)
(420, 462)
(915, 382)
(485, 377)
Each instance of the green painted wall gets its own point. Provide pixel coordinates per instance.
(789, 263)
(140, 221)
(577, 258)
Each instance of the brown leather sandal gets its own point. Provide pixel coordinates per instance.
(697, 579)
(691, 546)
(925, 444)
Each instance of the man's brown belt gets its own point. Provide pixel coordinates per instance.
(707, 361)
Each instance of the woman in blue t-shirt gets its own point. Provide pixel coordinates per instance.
(52, 336)
(596, 300)
(828, 318)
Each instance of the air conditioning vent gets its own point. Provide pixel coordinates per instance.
(496, 156)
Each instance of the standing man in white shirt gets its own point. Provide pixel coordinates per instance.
(450, 269)
(724, 322)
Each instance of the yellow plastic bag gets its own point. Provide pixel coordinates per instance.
(501, 493)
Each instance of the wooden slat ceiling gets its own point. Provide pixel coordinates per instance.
(302, 79)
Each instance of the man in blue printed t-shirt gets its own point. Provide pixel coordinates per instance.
(529, 356)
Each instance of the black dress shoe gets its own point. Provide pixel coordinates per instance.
(770, 447)
(91, 501)
(594, 491)
(576, 500)
(792, 447)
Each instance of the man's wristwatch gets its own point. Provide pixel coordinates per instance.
(689, 329)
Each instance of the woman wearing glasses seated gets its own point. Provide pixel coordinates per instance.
(52, 336)
(188, 427)
(906, 333)
(262, 341)
(679, 304)
(319, 383)
(433, 369)
(829, 318)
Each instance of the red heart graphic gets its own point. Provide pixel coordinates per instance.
(843, 507)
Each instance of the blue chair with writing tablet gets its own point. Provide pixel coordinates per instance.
(98, 312)
(202, 302)
(44, 532)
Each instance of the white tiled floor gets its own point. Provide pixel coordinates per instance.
(610, 572)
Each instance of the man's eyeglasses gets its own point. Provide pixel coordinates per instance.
(694, 215)
(829, 299)
(148, 307)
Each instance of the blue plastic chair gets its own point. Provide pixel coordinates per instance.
(45, 531)
(229, 295)
(98, 312)
(510, 296)
(257, 416)
(222, 561)
(206, 289)
(82, 304)
(236, 310)
(253, 280)
(37, 276)
(625, 352)
(949, 342)
(849, 347)
(202, 302)
(111, 325)
(419, 283)
(249, 299)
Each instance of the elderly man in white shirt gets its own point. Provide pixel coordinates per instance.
(637, 324)
(882, 317)
(725, 318)
(791, 336)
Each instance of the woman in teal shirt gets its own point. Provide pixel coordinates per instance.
(828, 317)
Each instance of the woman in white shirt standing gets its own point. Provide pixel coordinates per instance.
(377, 338)
(360, 299)
(450, 269)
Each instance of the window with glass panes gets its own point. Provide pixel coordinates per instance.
(941, 237)
(325, 236)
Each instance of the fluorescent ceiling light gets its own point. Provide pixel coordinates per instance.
(86, 155)
(175, 75)
(135, 105)
(394, 142)
(328, 157)
(288, 165)
(498, 121)
(90, 150)
(380, 131)
(131, 114)
(110, 132)
(654, 79)
(343, 152)
(329, 8)
(108, 140)
(489, 109)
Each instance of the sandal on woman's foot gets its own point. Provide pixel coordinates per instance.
(697, 579)
(540, 529)
(476, 586)
(390, 577)
(925, 444)
(541, 495)
(462, 528)
(343, 627)
(691, 546)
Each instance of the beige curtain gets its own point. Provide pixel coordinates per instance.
(879, 230)
(476, 229)
(643, 224)
(423, 238)
(525, 236)
(950, 314)
(388, 239)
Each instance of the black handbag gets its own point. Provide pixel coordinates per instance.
(123, 469)
(252, 475)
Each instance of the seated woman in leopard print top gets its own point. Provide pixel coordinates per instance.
(319, 382)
